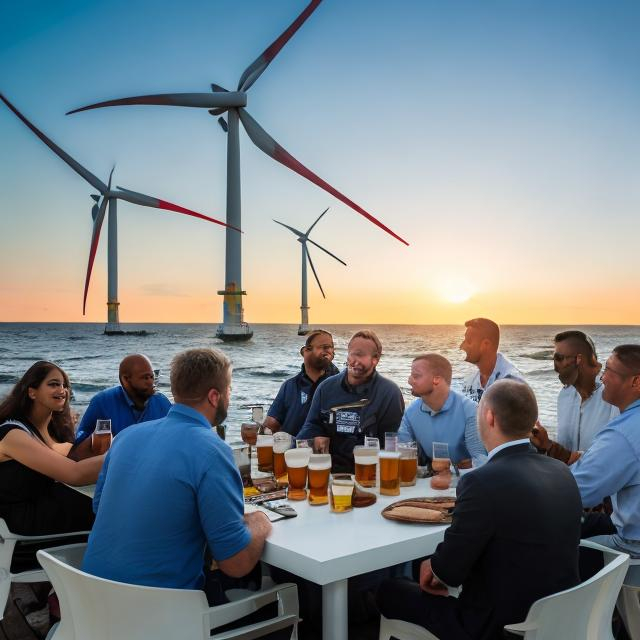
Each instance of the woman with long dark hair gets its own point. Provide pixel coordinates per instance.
(36, 433)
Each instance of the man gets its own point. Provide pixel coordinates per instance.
(291, 406)
(480, 344)
(514, 535)
(610, 466)
(582, 412)
(134, 400)
(170, 487)
(356, 403)
(441, 414)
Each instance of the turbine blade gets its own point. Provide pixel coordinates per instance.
(95, 238)
(156, 203)
(295, 231)
(315, 244)
(204, 100)
(315, 274)
(223, 124)
(316, 222)
(268, 145)
(76, 166)
(257, 67)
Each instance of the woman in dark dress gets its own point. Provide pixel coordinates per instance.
(36, 433)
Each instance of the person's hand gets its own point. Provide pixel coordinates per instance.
(321, 444)
(428, 581)
(540, 438)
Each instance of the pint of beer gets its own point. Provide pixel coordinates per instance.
(390, 473)
(408, 463)
(101, 437)
(319, 470)
(366, 463)
(341, 493)
(281, 443)
(297, 461)
(264, 445)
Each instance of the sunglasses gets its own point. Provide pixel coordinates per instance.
(559, 357)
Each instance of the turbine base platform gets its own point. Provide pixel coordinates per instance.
(116, 330)
(234, 332)
(303, 329)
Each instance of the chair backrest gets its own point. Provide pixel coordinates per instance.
(582, 612)
(100, 609)
(7, 544)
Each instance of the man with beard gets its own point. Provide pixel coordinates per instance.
(169, 488)
(582, 412)
(356, 403)
(291, 406)
(134, 400)
(480, 344)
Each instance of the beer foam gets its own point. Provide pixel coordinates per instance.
(319, 462)
(296, 458)
(390, 454)
(365, 459)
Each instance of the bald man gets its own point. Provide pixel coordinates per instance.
(134, 400)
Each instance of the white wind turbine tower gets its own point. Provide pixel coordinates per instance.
(98, 211)
(233, 102)
(303, 238)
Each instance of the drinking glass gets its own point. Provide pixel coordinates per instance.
(389, 473)
(341, 493)
(371, 442)
(101, 437)
(366, 464)
(249, 433)
(408, 463)
(391, 441)
(297, 461)
(319, 470)
(264, 445)
(441, 465)
(281, 443)
(257, 414)
(304, 443)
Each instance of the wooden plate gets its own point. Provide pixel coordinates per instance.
(421, 510)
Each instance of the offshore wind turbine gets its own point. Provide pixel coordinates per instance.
(303, 238)
(234, 103)
(110, 197)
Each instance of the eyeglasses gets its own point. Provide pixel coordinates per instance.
(323, 347)
(560, 357)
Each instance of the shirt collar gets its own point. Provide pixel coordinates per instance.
(360, 388)
(189, 412)
(511, 443)
(131, 403)
(447, 405)
(633, 405)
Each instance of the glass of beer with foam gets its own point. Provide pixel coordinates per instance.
(264, 446)
(101, 437)
(390, 473)
(281, 443)
(366, 464)
(297, 461)
(319, 470)
(341, 493)
(408, 463)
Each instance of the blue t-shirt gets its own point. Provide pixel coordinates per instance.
(166, 490)
(454, 424)
(291, 405)
(115, 404)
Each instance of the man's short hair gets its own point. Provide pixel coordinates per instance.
(313, 334)
(581, 343)
(629, 356)
(514, 405)
(196, 371)
(438, 364)
(487, 329)
(367, 334)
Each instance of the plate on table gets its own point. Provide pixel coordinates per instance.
(421, 510)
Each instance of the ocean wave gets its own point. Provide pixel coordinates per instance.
(539, 372)
(545, 354)
(87, 357)
(78, 338)
(88, 386)
(278, 373)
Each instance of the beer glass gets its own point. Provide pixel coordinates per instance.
(341, 493)
(249, 433)
(371, 442)
(366, 464)
(304, 443)
(408, 463)
(390, 473)
(319, 470)
(264, 445)
(281, 443)
(297, 461)
(257, 414)
(390, 441)
(441, 465)
(101, 437)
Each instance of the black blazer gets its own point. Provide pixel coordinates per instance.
(514, 539)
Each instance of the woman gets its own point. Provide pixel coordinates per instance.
(36, 433)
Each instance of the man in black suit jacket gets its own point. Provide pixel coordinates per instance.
(513, 539)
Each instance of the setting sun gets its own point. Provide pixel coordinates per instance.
(456, 290)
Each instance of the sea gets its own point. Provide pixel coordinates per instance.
(260, 365)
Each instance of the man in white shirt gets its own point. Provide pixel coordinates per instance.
(481, 341)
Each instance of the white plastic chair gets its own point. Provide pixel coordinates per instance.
(583, 612)
(7, 545)
(100, 609)
(403, 630)
(629, 600)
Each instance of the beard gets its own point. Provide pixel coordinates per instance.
(221, 415)
(568, 375)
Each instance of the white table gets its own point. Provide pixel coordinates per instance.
(328, 548)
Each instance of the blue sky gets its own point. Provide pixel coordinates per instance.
(500, 138)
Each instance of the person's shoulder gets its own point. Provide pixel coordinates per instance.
(508, 370)
(469, 405)
(332, 382)
(159, 398)
(414, 408)
(108, 394)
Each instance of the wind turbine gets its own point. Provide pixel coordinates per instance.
(233, 102)
(98, 211)
(303, 238)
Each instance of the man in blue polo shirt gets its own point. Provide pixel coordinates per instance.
(291, 406)
(169, 488)
(441, 414)
(134, 400)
